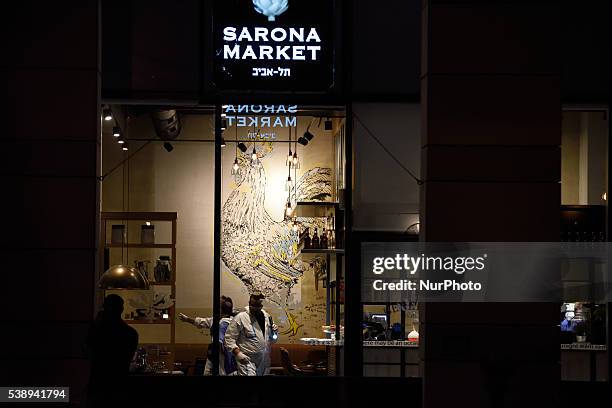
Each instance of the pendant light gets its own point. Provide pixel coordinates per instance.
(122, 276)
(289, 161)
(289, 184)
(236, 165)
(254, 158)
(289, 208)
(296, 225)
(295, 160)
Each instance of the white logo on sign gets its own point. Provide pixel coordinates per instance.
(271, 8)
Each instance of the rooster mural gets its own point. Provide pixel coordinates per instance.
(260, 251)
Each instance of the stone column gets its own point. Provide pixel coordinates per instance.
(50, 139)
(491, 121)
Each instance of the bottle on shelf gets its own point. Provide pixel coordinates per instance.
(324, 240)
(315, 240)
(307, 241)
(331, 240)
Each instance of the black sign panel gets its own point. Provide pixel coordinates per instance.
(274, 45)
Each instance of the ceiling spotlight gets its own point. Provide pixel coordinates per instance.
(107, 114)
(309, 136)
(124, 147)
(222, 142)
(121, 141)
(116, 131)
(224, 124)
(242, 147)
(168, 146)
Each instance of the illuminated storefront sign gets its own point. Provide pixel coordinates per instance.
(273, 45)
(260, 117)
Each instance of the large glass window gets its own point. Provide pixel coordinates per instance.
(282, 223)
(158, 211)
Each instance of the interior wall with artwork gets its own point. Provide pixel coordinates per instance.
(260, 245)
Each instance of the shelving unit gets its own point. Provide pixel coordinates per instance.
(156, 218)
(333, 289)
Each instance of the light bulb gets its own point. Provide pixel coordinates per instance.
(235, 167)
(296, 161)
(289, 184)
(295, 226)
(604, 196)
(289, 210)
(289, 160)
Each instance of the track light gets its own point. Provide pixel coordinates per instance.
(107, 114)
(303, 141)
(168, 146)
(222, 142)
(309, 136)
(116, 131)
(223, 124)
(242, 147)
(121, 141)
(328, 124)
(124, 147)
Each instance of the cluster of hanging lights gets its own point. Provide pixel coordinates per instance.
(293, 163)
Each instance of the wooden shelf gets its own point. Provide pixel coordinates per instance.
(168, 246)
(317, 203)
(315, 208)
(322, 251)
(139, 216)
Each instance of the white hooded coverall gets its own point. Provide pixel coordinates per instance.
(244, 332)
(206, 323)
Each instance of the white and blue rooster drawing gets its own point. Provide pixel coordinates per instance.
(260, 251)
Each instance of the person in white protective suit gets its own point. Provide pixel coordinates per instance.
(249, 337)
(227, 363)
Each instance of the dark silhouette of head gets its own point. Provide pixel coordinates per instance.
(256, 301)
(113, 306)
(227, 306)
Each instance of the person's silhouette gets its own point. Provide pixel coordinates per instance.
(111, 344)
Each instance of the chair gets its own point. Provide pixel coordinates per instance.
(291, 369)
